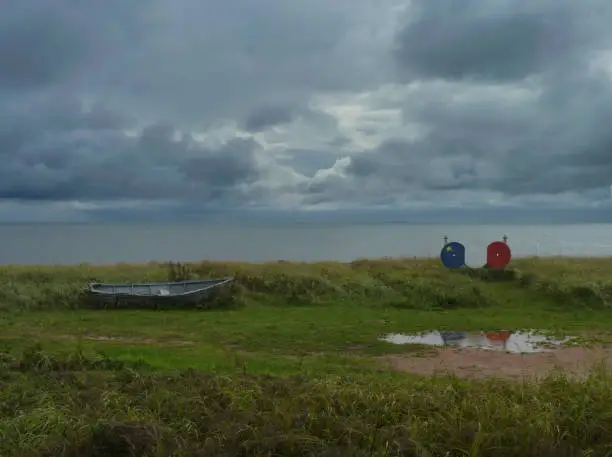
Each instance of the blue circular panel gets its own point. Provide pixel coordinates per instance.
(453, 255)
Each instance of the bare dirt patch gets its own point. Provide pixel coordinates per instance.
(478, 363)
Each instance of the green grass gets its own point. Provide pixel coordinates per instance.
(285, 362)
(78, 406)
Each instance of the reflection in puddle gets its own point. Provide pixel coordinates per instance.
(515, 342)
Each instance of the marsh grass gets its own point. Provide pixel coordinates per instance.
(177, 271)
(78, 406)
(574, 283)
(571, 283)
(396, 283)
(399, 283)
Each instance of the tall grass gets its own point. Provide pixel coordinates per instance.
(403, 283)
(574, 283)
(94, 406)
(398, 283)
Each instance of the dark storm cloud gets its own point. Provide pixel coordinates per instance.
(558, 141)
(504, 90)
(497, 40)
(229, 166)
(71, 153)
(199, 60)
(191, 60)
(41, 51)
(509, 97)
(194, 63)
(61, 42)
(268, 116)
(569, 146)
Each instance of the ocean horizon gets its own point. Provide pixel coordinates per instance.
(66, 243)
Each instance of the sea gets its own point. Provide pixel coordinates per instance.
(105, 243)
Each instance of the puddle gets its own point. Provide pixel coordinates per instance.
(514, 342)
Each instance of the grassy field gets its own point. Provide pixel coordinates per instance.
(285, 363)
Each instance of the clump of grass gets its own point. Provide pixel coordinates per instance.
(227, 297)
(89, 410)
(571, 283)
(178, 271)
(34, 359)
(436, 296)
(576, 283)
(492, 275)
(587, 295)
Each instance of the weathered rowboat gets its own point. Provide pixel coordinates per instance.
(192, 292)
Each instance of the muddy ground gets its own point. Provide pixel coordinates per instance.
(479, 363)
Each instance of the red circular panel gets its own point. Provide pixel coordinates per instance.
(498, 255)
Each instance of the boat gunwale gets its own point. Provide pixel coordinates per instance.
(166, 283)
(212, 283)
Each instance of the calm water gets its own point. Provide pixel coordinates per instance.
(66, 244)
(515, 342)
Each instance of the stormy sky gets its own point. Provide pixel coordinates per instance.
(273, 104)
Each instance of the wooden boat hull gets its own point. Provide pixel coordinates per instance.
(193, 293)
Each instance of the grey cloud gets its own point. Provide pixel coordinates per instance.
(402, 163)
(570, 146)
(556, 143)
(232, 165)
(521, 111)
(73, 158)
(201, 61)
(39, 50)
(45, 43)
(503, 89)
(193, 63)
(339, 141)
(308, 162)
(268, 116)
(497, 40)
(189, 60)
(533, 150)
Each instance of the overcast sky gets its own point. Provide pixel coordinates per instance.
(303, 104)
